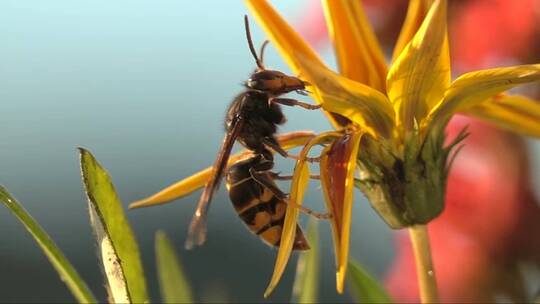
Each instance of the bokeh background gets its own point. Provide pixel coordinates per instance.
(144, 86)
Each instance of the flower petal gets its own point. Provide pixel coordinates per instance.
(337, 178)
(367, 107)
(298, 187)
(416, 13)
(475, 87)
(514, 112)
(332, 192)
(358, 52)
(192, 183)
(419, 77)
(288, 42)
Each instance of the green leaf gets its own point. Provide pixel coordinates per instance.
(306, 282)
(117, 246)
(364, 287)
(172, 280)
(67, 272)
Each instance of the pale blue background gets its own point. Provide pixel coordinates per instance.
(143, 85)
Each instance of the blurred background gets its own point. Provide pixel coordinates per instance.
(144, 86)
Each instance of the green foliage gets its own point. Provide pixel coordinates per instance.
(364, 287)
(122, 265)
(406, 188)
(172, 281)
(118, 247)
(67, 273)
(306, 282)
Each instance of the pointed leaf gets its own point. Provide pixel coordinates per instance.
(192, 183)
(420, 75)
(68, 274)
(475, 87)
(298, 187)
(364, 287)
(173, 283)
(513, 112)
(306, 282)
(116, 281)
(118, 249)
(358, 52)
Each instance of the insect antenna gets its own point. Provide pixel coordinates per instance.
(261, 52)
(250, 43)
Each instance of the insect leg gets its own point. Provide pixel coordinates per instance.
(265, 180)
(276, 175)
(274, 145)
(303, 92)
(293, 102)
(315, 214)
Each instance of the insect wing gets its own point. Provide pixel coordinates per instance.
(197, 228)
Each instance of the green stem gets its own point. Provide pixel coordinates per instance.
(424, 264)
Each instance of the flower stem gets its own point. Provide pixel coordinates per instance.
(424, 264)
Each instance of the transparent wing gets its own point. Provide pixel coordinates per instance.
(197, 228)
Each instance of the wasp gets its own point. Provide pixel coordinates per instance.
(258, 201)
(252, 119)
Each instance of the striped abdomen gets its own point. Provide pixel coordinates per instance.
(260, 209)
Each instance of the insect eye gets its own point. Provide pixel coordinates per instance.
(267, 75)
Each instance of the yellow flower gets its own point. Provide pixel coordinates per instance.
(416, 90)
(400, 109)
(389, 119)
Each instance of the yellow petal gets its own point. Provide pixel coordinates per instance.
(294, 139)
(416, 13)
(199, 179)
(298, 187)
(513, 112)
(332, 192)
(288, 42)
(475, 87)
(367, 107)
(338, 166)
(419, 77)
(358, 52)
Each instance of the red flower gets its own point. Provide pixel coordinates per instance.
(485, 32)
(486, 226)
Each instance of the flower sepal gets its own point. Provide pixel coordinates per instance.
(379, 182)
(406, 186)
